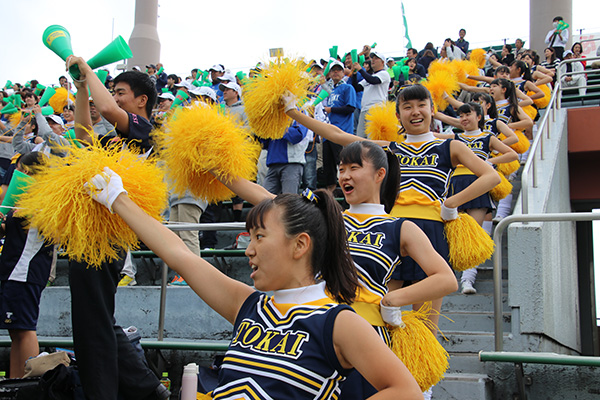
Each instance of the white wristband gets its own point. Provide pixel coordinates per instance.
(448, 214)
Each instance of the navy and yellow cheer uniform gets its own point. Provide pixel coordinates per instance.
(373, 237)
(504, 111)
(479, 143)
(282, 349)
(426, 169)
(491, 126)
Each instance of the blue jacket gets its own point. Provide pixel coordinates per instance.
(290, 149)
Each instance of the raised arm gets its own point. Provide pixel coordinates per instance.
(327, 131)
(511, 136)
(523, 123)
(83, 120)
(103, 100)
(221, 293)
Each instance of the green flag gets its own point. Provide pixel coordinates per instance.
(408, 42)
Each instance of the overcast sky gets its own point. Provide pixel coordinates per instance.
(238, 34)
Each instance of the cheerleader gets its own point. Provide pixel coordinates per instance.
(369, 178)
(482, 144)
(427, 164)
(509, 111)
(297, 343)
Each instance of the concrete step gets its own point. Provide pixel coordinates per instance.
(464, 386)
(470, 342)
(480, 302)
(469, 321)
(466, 363)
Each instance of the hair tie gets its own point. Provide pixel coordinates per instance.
(310, 196)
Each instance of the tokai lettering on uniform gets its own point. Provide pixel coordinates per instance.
(374, 239)
(269, 341)
(419, 161)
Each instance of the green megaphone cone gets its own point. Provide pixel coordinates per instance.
(17, 186)
(47, 110)
(39, 89)
(48, 93)
(323, 94)
(117, 50)
(58, 39)
(102, 75)
(9, 109)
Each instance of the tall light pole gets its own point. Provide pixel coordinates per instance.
(144, 40)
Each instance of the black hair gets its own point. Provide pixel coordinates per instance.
(27, 94)
(510, 95)
(32, 161)
(473, 107)
(553, 56)
(322, 220)
(195, 70)
(61, 77)
(558, 18)
(173, 76)
(356, 152)
(525, 72)
(70, 107)
(575, 44)
(412, 92)
(140, 84)
(413, 50)
(508, 47)
(502, 68)
(462, 29)
(492, 112)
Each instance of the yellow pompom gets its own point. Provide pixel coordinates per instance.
(202, 396)
(543, 101)
(468, 243)
(461, 68)
(203, 138)
(503, 189)
(419, 349)
(478, 57)
(60, 100)
(15, 119)
(530, 111)
(262, 96)
(440, 82)
(59, 207)
(382, 123)
(508, 168)
(521, 146)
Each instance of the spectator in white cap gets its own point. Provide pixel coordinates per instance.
(204, 94)
(232, 98)
(186, 87)
(165, 100)
(216, 72)
(374, 85)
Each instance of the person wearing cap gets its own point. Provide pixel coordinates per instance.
(109, 367)
(216, 72)
(339, 107)
(572, 80)
(232, 98)
(204, 94)
(161, 78)
(151, 71)
(390, 62)
(165, 100)
(375, 87)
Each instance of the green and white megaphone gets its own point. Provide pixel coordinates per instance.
(47, 111)
(102, 75)
(48, 93)
(117, 50)
(17, 186)
(333, 52)
(18, 100)
(58, 39)
(323, 94)
(180, 98)
(8, 85)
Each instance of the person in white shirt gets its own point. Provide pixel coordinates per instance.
(557, 37)
(572, 80)
(375, 86)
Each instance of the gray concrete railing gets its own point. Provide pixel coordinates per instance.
(497, 257)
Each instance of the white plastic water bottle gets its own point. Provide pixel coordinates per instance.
(189, 382)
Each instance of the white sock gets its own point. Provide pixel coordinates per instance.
(504, 206)
(427, 394)
(469, 275)
(488, 226)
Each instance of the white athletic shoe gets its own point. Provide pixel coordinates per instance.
(498, 218)
(467, 288)
(427, 394)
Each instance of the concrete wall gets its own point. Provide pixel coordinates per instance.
(541, 13)
(542, 269)
(144, 41)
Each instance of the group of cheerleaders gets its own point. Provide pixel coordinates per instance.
(334, 276)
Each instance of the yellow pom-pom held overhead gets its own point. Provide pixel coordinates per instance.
(262, 96)
(468, 243)
(440, 82)
(419, 349)
(60, 100)
(478, 57)
(59, 207)
(382, 123)
(201, 139)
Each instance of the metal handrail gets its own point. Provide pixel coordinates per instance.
(538, 141)
(497, 257)
(539, 358)
(230, 226)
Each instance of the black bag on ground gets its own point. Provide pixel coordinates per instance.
(61, 383)
(22, 389)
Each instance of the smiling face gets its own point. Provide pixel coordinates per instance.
(361, 183)
(497, 92)
(469, 121)
(415, 116)
(271, 254)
